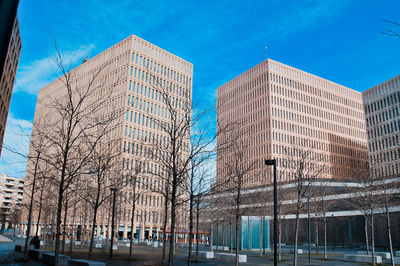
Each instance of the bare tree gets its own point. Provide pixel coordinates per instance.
(134, 196)
(323, 205)
(392, 32)
(237, 169)
(35, 156)
(304, 168)
(69, 117)
(364, 199)
(101, 176)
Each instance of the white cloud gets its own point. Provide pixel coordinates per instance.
(37, 74)
(15, 147)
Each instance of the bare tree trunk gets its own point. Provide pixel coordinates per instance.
(296, 234)
(230, 238)
(65, 224)
(223, 236)
(280, 240)
(316, 236)
(366, 233)
(39, 211)
(197, 228)
(94, 221)
(190, 223)
(211, 236)
(372, 236)
(58, 217)
(248, 233)
(325, 239)
(165, 229)
(261, 235)
(387, 214)
(132, 222)
(72, 231)
(28, 230)
(217, 238)
(237, 236)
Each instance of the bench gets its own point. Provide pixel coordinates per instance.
(361, 258)
(290, 251)
(78, 262)
(20, 248)
(221, 247)
(384, 255)
(230, 257)
(36, 253)
(203, 254)
(49, 258)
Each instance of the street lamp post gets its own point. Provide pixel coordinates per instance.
(114, 191)
(273, 162)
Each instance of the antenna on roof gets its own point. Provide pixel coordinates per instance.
(87, 57)
(266, 47)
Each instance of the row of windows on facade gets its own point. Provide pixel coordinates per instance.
(324, 103)
(142, 216)
(326, 95)
(143, 199)
(383, 89)
(386, 156)
(330, 158)
(384, 171)
(156, 109)
(162, 84)
(322, 114)
(151, 137)
(146, 168)
(333, 144)
(384, 103)
(381, 131)
(384, 116)
(160, 69)
(316, 123)
(159, 54)
(318, 134)
(381, 145)
(243, 92)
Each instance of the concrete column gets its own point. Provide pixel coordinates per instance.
(142, 232)
(151, 232)
(109, 231)
(125, 234)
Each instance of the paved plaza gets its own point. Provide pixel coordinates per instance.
(146, 255)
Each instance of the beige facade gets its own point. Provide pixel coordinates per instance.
(8, 77)
(135, 70)
(11, 194)
(277, 108)
(382, 113)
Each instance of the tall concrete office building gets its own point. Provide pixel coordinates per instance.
(382, 113)
(7, 76)
(135, 70)
(277, 109)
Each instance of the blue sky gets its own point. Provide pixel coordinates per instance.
(339, 40)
